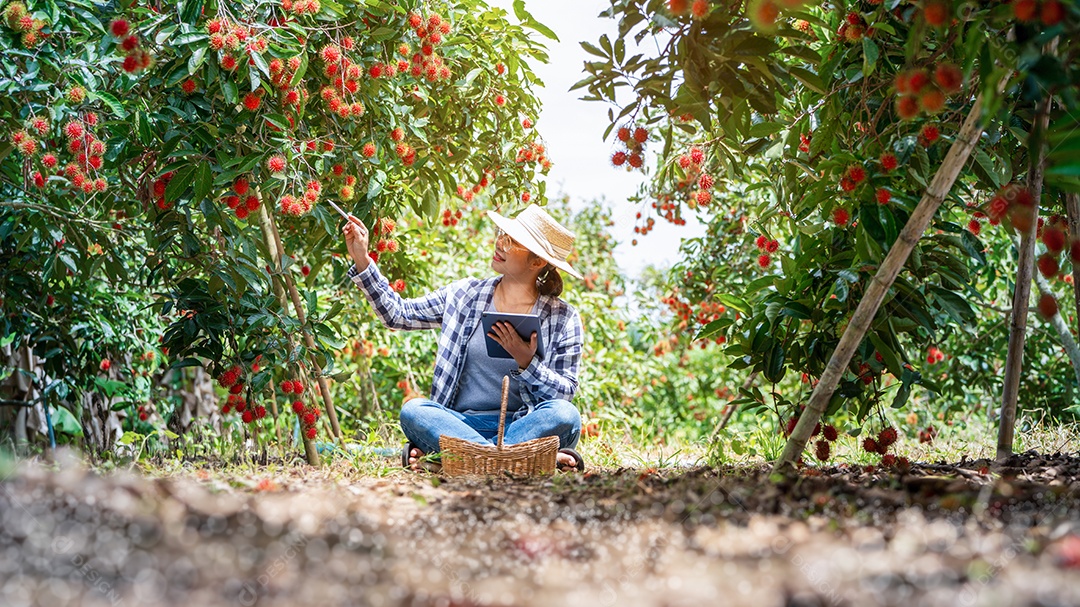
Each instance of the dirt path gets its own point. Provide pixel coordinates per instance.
(946, 535)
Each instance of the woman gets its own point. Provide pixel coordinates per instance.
(467, 387)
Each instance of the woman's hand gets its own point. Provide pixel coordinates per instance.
(356, 241)
(506, 336)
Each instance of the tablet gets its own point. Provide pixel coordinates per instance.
(526, 325)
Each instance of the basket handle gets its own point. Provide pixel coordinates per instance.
(502, 409)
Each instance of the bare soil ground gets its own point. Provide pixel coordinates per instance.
(962, 534)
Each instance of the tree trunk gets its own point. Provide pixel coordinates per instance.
(879, 286)
(324, 386)
(273, 243)
(1072, 211)
(1014, 361)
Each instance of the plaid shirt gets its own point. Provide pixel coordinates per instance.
(456, 309)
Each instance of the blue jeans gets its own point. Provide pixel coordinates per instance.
(424, 420)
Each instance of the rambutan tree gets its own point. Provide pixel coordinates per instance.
(846, 131)
(188, 148)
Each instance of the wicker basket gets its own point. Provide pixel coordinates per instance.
(536, 456)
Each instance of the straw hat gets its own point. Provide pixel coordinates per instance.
(538, 232)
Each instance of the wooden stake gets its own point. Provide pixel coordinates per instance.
(272, 243)
(939, 188)
(1025, 265)
(324, 386)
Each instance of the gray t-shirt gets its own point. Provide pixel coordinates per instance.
(481, 377)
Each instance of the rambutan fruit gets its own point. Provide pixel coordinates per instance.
(119, 28)
(928, 135)
(888, 161)
(907, 107)
(887, 437)
(1048, 265)
(936, 13)
(763, 14)
(252, 102)
(1054, 239)
(822, 450)
(678, 7)
(840, 216)
(949, 77)
(932, 101)
(276, 164)
(1025, 10)
(829, 432)
(1048, 306)
(1051, 12)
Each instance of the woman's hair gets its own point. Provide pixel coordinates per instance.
(549, 282)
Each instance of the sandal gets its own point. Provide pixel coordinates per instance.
(430, 466)
(579, 462)
(405, 454)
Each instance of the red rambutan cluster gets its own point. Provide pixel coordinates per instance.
(230, 377)
(136, 57)
(634, 141)
(301, 7)
(534, 153)
(885, 439)
(765, 246)
(853, 28)
(923, 90)
(18, 18)
(309, 417)
(449, 218)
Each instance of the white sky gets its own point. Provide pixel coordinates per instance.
(573, 130)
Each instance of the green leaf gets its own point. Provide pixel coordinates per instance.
(840, 289)
(892, 361)
(764, 129)
(592, 50)
(278, 120)
(260, 63)
(65, 423)
(954, 305)
(543, 29)
(714, 328)
(130, 438)
(870, 55)
(375, 184)
(179, 184)
(187, 362)
(189, 38)
(735, 303)
(196, 60)
(112, 103)
(774, 364)
(204, 181)
(228, 89)
(810, 79)
(902, 396)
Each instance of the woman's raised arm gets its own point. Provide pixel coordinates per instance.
(396, 312)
